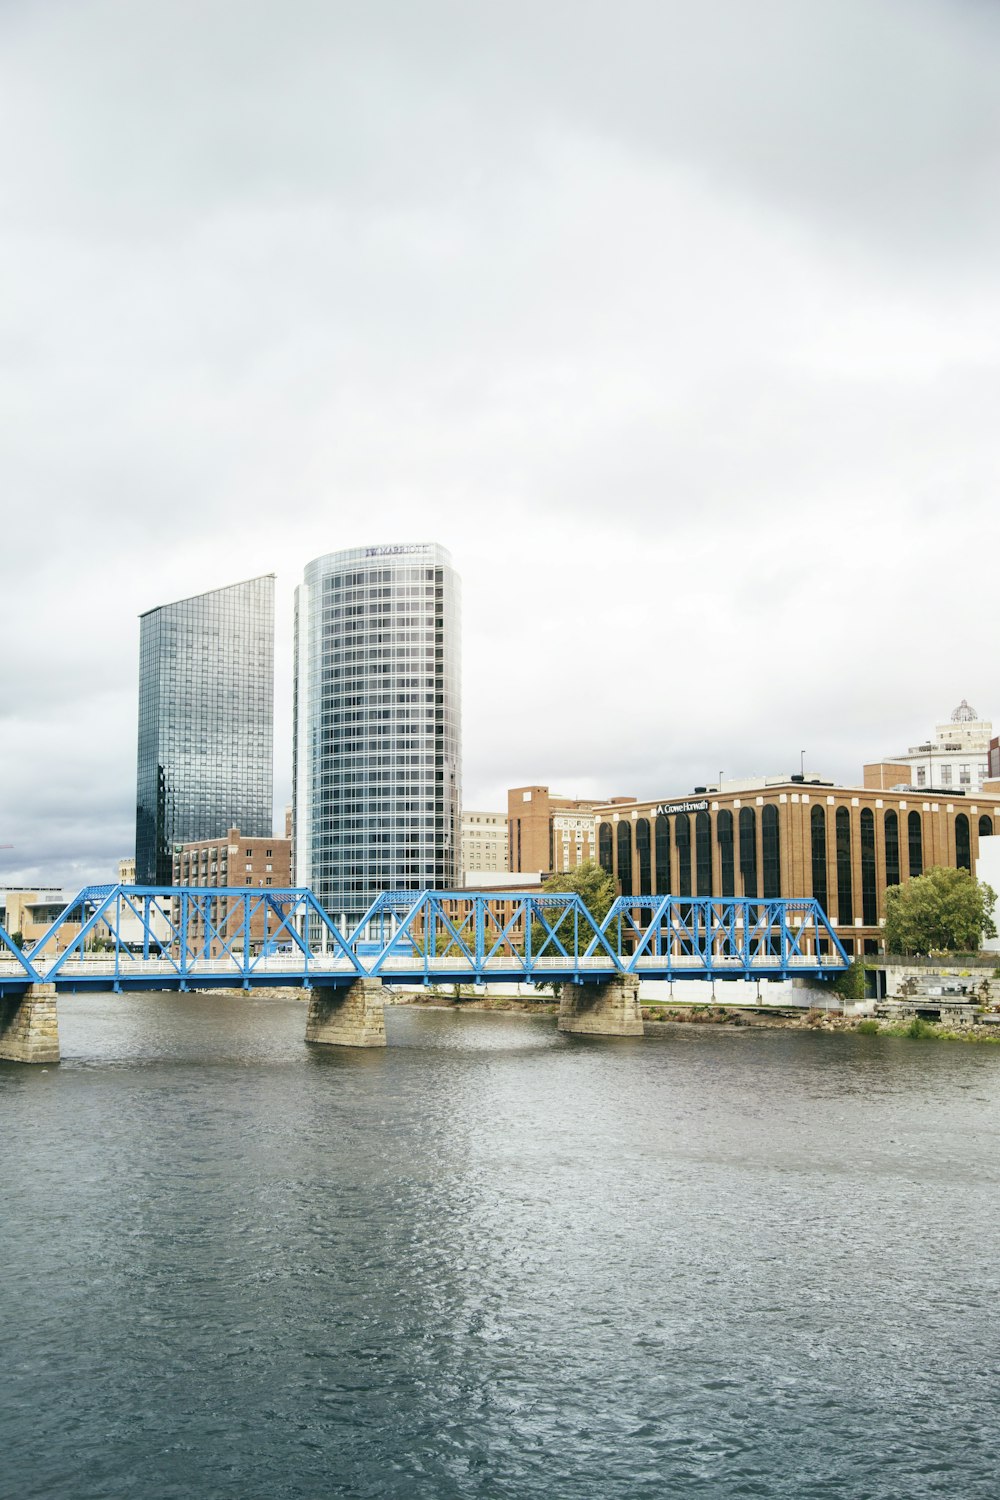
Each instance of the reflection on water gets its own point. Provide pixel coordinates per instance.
(493, 1261)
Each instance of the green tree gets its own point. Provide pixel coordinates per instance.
(941, 911)
(591, 882)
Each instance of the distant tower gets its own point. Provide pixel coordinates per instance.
(376, 769)
(206, 722)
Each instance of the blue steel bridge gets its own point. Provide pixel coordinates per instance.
(121, 938)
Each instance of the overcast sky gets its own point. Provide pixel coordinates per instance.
(676, 322)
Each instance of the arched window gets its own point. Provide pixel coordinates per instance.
(845, 891)
(915, 844)
(985, 826)
(661, 835)
(682, 843)
(748, 850)
(727, 867)
(703, 853)
(604, 848)
(642, 857)
(817, 826)
(963, 850)
(770, 851)
(891, 848)
(625, 856)
(869, 888)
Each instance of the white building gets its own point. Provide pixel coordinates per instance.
(484, 844)
(956, 759)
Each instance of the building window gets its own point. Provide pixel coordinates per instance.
(643, 857)
(661, 836)
(817, 828)
(964, 777)
(915, 844)
(682, 841)
(703, 853)
(985, 827)
(748, 850)
(625, 858)
(845, 892)
(771, 851)
(604, 848)
(727, 867)
(946, 775)
(891, 848)
(869, 889)
(963, 851)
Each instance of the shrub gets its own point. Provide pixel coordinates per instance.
(919, 1029)
(868, 1028)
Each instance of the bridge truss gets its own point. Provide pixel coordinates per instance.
(154, 937)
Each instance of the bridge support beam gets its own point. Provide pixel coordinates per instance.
(608, 1008)
(29, 1026)
(352, 1016)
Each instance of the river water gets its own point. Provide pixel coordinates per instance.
(492, 1261)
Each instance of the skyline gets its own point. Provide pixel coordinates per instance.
(677, 337)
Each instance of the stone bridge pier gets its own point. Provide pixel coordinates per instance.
(29, 1026)
(347, 1016)
(608, 1007)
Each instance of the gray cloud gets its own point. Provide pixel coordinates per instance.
(674, 322)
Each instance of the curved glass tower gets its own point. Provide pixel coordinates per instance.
(377, 725)
(206, 712)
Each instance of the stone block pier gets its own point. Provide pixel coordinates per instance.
(348, 1016)
(607, 1008)
(29, 1026)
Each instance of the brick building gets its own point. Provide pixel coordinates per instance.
(786, 836)
(549, 833)
(235, 860)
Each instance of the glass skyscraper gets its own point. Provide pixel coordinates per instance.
(206, 722)
(377, 725)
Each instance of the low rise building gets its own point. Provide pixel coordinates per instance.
(793, 837)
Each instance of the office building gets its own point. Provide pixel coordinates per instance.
(234, 859)
(789, 836)
(484, 845)
(206, 709)
(377, 725)
(957, 757)
(549, 833)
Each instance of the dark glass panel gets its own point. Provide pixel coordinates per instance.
(891, 848)
(869, 887)
(915, 844)
(662, 839)
(727, 866)
(642, 850)
(963, 848)
(682, 841)
(845, 892)
(703, 853)
(817, 829)
(625, 857)
(770, 851)
(748, 850)
(604, 849)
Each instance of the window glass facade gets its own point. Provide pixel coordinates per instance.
(376, 783)
(604, 854)
(703, 853)
(682, 842)
(748, 850)
(869, 887)
(985, 827)
(817, 835)
(845, 891)
(915, 844)
(643, 857)
(206, 717)
(625, 859)
(661, 836)
(770, 851)
(891, 848)
(963, 849)
(727, 865)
